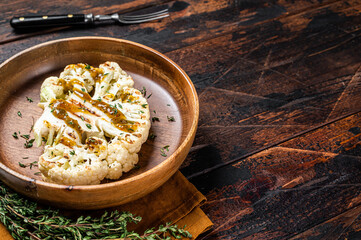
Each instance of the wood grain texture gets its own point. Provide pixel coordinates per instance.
(333, 228)
(274, 84)
(277, 148)
(150, 69)
(353, 231)
(286, 192)
(191, 21)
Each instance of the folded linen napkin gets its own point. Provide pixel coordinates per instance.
(176, 201)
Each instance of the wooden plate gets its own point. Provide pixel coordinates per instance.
(173, 94)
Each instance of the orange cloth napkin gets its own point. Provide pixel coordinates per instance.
(177, 201)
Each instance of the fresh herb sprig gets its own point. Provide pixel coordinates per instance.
(26, 221)
(35, 163)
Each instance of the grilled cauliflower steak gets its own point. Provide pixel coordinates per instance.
(93, 125)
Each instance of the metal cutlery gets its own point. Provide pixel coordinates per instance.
(84, 19)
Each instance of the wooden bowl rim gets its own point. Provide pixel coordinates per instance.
(133, 178)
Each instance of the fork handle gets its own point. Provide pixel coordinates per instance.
(51, 20)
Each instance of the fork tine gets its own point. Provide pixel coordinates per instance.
(144, 19)
(148, 15)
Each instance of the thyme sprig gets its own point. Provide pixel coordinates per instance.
(25, 220)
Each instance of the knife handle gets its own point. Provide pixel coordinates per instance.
(51, 20)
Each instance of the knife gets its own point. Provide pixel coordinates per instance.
(83, 19)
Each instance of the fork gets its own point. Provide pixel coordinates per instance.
(84, 19)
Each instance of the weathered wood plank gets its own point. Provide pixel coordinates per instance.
(333, 228)
(343, 137)
(216, 145)
(192, 21)
(289, 94)
(265, 71)
(289, 190)
(353, 231)
(21, 8)
(279, 193)
(252, 72)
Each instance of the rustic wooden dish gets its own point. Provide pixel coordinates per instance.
(173, 94)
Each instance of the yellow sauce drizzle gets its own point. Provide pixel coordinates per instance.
(60, 108)
(67, 142)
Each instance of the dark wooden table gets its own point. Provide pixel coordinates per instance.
(278, 148)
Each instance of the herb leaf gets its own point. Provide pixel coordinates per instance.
(162, 153)
(22, 165)
(152, 136)
(25, 136)
(171, 118)
(155, 119)
(143, 91)
(25, 220)
(29, 144)
(35, 163)
(15, 135)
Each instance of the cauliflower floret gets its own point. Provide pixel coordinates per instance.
(51, 89)
(114, 80)
(119, 160)
(80, 166)
(85, 74)
(76, 125)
